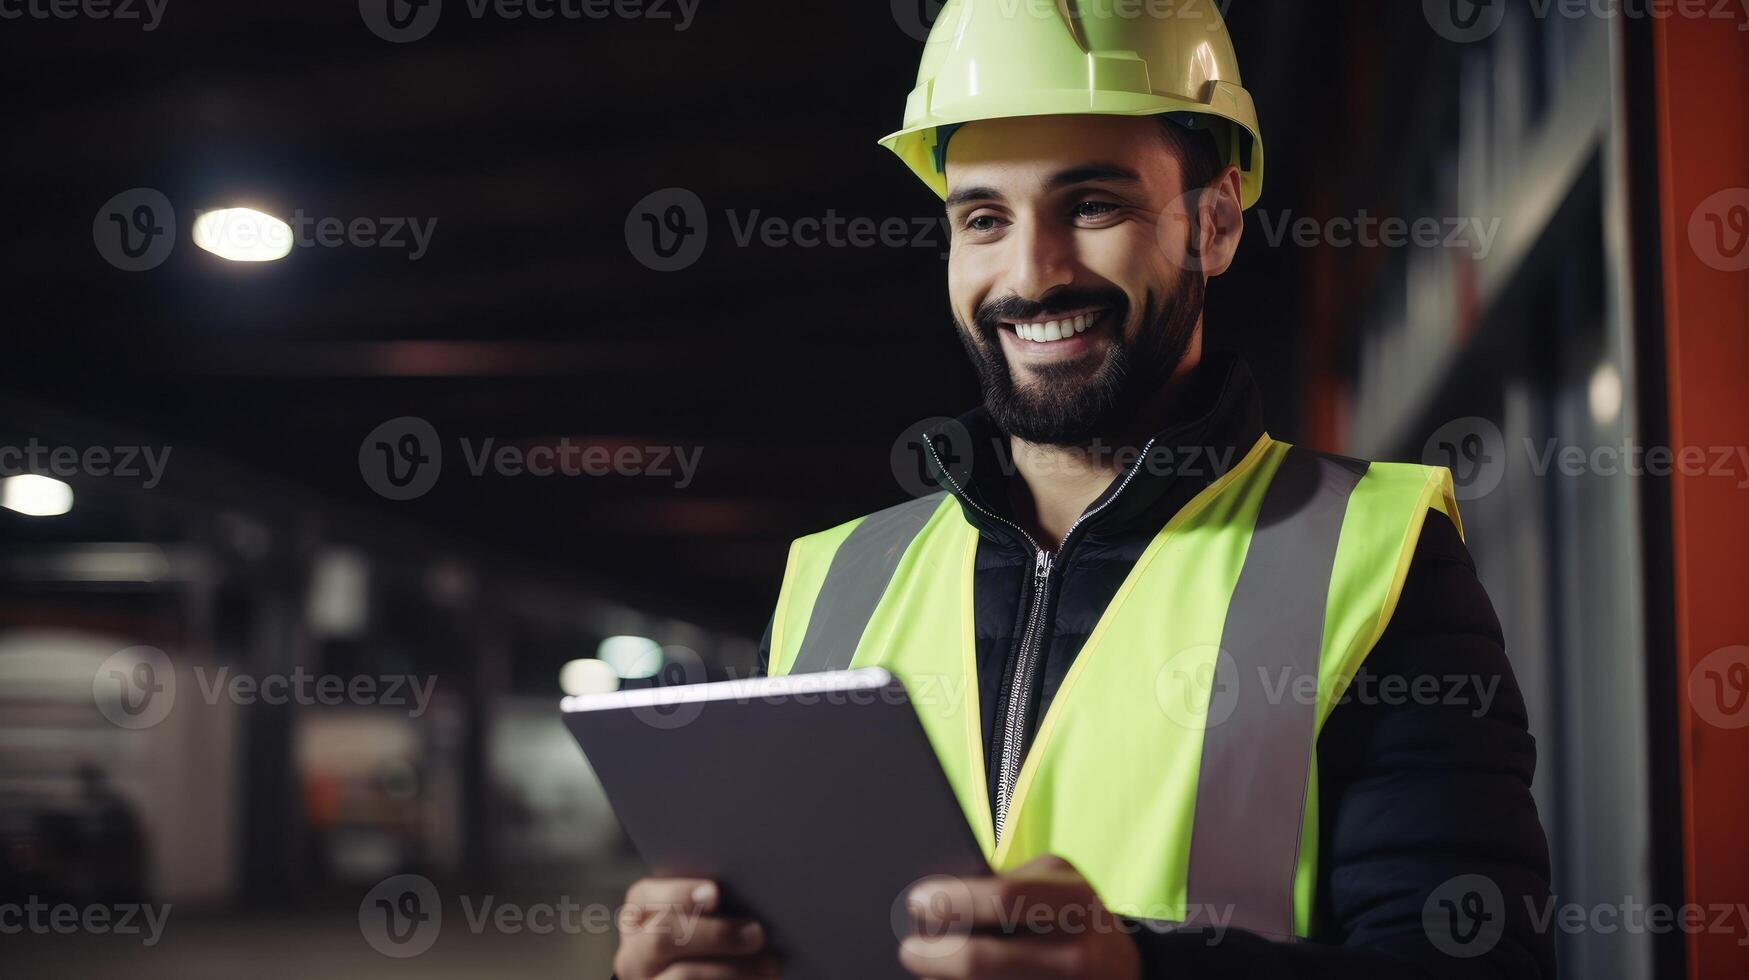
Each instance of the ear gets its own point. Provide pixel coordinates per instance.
(1221, 222)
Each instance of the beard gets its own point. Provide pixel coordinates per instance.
(1076, 403)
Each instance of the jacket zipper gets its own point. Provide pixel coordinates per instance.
(1032, 639)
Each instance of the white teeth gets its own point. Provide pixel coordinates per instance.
(1049, 330)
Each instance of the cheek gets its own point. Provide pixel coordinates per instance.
(1129, 258)
(1127, 254)
(968, 283)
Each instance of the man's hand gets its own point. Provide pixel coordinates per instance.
(668, 931)
(1040, 920)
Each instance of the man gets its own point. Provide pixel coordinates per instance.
(1222, 695)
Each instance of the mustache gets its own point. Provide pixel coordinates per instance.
(990, 315)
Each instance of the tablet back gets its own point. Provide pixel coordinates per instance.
(815, 801)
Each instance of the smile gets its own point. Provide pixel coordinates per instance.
(1057, 327)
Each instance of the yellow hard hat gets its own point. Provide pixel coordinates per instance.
(993, 59)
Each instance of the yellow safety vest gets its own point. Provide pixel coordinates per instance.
(1176, 767)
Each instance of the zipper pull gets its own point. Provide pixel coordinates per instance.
(1041, 566)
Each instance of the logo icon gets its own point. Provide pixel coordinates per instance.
(1465, 916)
(400, 21)
(1719, 230)
(135, 230)
(401, 916)
(401, 458)
(680, 665)
(928, 448)
(915, 17)
(1475, 452)
(666, 231)
(1198, 687)
(1464, 21)
(948, 900)
(135, 688)
(1178, 233)
(1718, 687)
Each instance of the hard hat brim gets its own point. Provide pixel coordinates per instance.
(915, 145)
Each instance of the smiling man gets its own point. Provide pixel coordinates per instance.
(1231, 707)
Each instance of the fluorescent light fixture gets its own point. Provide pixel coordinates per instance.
(631, 657)
(37, 496)
(243, 235)
(580, 677)
(94, 562)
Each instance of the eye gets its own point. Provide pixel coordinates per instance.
(1094, 210)
(983, 222)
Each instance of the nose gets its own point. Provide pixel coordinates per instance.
(1044, 258)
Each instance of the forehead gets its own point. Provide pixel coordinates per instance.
(1021, 154)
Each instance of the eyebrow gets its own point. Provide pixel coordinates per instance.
(1092, 173)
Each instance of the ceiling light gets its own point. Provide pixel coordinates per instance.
(580, 677)
(37, 496)
(243, 235)
(631, 657)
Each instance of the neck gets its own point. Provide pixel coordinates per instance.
(1058, 483)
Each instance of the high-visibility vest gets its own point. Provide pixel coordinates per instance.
(1176, 766)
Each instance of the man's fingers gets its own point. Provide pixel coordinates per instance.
(714, 936)
(1009, 903)
(665, 939)
(694, 893)
(1046, 866)
(723, 969)
(979, 957)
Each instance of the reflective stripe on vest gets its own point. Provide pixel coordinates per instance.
(1176, 766)
(855, 582)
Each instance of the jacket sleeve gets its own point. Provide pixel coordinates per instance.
(1425, 808)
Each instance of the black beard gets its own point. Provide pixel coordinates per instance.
(1066, 406)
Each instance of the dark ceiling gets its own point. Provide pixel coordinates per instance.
(791, 370)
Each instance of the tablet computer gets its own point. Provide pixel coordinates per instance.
(813, 800)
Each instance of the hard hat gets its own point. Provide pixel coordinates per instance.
(993, 59)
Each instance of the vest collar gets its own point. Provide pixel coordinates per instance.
(1220, 418)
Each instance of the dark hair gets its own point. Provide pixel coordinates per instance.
(1199, 155)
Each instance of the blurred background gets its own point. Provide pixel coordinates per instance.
(310, 494)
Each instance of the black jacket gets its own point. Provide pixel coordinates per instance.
(1413, 791)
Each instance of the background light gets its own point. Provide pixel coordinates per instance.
(1605, 394)
(580, 677)
(243, 235)
(631, 656)
(37, 496)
